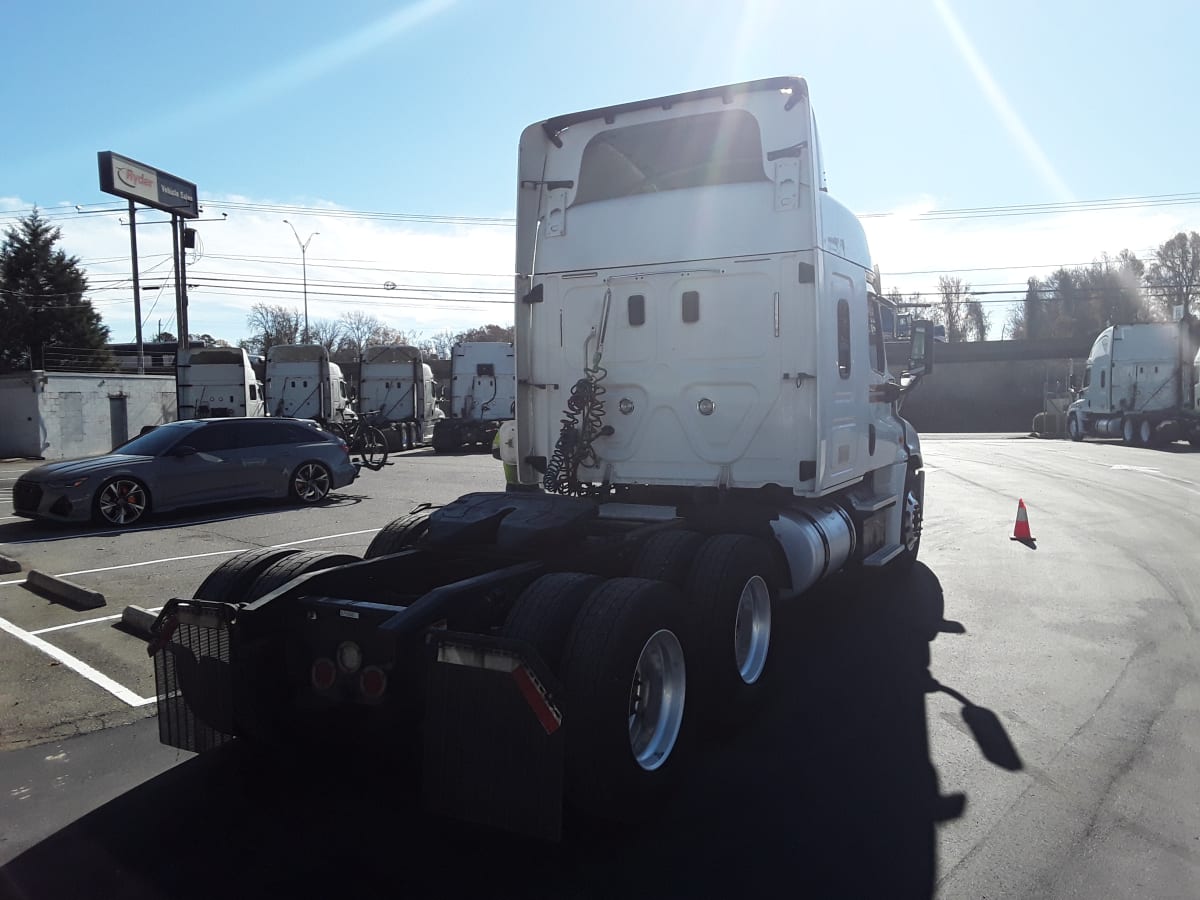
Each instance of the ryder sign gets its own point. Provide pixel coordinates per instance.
(136, 181)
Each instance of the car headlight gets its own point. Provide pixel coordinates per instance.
(70, 483)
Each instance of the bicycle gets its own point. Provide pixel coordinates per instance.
(364, 439)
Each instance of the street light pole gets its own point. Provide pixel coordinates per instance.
(303, 268)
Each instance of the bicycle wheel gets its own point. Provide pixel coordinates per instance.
(374, 448)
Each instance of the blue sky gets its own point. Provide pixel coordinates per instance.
(417, 107)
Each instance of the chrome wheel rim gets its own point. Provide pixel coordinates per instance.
(1073, 426)
(1145, 432)
(311, 483)
(122, 502)
(1127, 431)
(752, 629)
(656, 700)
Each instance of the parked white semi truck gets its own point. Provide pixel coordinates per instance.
(482, 395)
(303, 383)
(396, 389)
(707, 426)
(1140, 386)
(218, 382)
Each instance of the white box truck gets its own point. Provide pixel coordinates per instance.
(706, 428)
(482, 395)
(397, 392)
(1140, 386)
(218, 382)
(303, 383)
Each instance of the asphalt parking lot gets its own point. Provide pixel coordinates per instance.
(73, 671)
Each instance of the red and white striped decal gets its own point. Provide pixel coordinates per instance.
(535, 695)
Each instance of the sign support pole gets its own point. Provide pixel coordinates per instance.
(137, 290)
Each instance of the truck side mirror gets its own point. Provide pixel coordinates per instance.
(920, 348)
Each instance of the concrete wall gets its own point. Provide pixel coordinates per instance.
(56, 415)
(991, 385)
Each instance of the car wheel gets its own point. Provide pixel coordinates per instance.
(311, 483)
(121, 501)
(1074, 429)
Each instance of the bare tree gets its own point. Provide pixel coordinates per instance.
(952, 306)
(358, 328)
(1174, 276)
(486, 333)
(271, 325)
(978, 320)
(326, 332)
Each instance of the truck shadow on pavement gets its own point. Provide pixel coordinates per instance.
(829, 792)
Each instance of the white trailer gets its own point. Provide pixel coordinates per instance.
(1140, 386)
(396, 389)
(218, 382)
(705, 428)
(482, 395)
(303, 383)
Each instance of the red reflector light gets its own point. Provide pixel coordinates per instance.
(324, 674)
(372, 682)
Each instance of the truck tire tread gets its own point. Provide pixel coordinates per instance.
(545, 611)
(231, 580)
(399, 534)
(284, 570)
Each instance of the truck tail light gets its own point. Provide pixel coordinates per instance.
(372, 682)
(324, 673)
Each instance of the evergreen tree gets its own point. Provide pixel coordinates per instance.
(42, 303)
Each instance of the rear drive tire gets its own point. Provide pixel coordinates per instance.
(399, 534)
(545, 611)
(731, 593)
(284, 570)
(912, 518)
(625, 683)
(1146, 434)
(668, 556)
(230, 581)
(1129, 431)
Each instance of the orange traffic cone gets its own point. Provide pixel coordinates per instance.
(1021, 528)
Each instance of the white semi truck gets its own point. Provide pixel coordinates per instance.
(303, 383)
(706, 428)
(482, 395)
(396, 388)
(218, 382)
(1140, 386)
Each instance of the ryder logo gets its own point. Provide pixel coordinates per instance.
(134, 179)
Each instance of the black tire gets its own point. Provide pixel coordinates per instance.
(399, 535)
(446, 439)
(338, 430)
(668, 556)
(374, 448)
(410, 441)
(284, 570)
(1147, 434)
(310, 483)
(1074, 428)
(121, 502)
(543, 614)
(730, 679)
(1129, 431)
(230, 581)
(1195, 442)
(911, 523)
(601, 656)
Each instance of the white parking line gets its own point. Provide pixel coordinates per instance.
(152, 562)
(87, 622)
(78, 666)
(98, 678)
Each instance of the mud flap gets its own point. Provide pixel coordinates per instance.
(493, 735)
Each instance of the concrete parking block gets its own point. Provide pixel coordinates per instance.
(137, 621)
(64, 591)
(8, 565)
